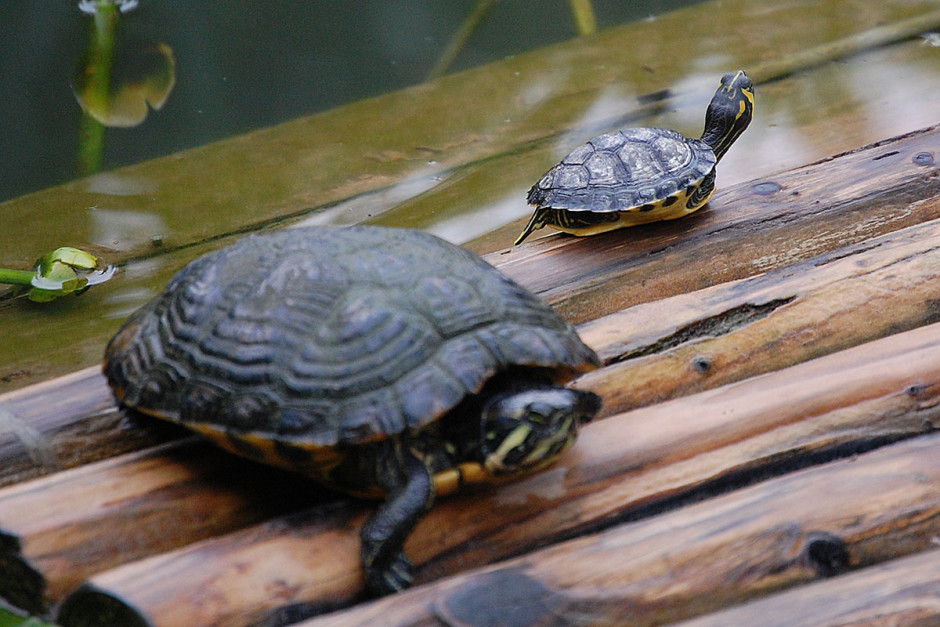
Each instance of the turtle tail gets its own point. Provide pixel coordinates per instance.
(537, 221)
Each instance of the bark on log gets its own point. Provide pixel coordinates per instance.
(900, 592)
(747, 229)
(727, 550)
(627, 466)
(58, 530)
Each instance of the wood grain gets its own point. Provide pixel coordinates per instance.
(904, 591)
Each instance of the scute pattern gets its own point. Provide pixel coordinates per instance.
(322, 336)
(624, 170)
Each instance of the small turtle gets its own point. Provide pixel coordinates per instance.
(386, 363)
(641, 175)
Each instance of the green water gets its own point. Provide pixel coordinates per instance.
(245, 65)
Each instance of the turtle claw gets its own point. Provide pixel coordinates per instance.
(395, 577)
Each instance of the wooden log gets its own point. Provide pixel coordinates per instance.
(736, 330)
(748, 229)
(627, 466)
(900, 592)
(58, 530)
(66, 422)
(783, 532)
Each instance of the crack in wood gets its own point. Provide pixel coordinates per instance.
(711, 327)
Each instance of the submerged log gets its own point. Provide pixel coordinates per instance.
(780, 533)
(625, 467)
(900, 592)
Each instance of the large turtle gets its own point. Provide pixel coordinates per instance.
(641, 175)
(383, 362)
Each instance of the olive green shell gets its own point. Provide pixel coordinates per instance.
(624, 170)
(322, 336)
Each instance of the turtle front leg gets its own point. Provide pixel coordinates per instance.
(410, 496)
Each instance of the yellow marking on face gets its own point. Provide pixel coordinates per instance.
(514, 439)
(540, 454)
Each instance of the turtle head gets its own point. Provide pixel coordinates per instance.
(729, 112)
(526, 430)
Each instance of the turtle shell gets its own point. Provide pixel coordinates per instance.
(624, 170)
(319, 337)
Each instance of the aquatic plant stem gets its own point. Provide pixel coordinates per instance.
(584, 19)
(98, 70)
(16, 277)
(459, 40)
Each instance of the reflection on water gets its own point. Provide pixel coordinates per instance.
(365, 206)
(122, 229)
(93, 7)
(122, 303)
(472, 224)
(247, 64)
(117, 184)
(142, 72)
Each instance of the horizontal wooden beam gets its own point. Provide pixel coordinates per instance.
(700, 340)
(67, 422)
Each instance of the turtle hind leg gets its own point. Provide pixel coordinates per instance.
(538, 220)
(702, 193)
(386, 567)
